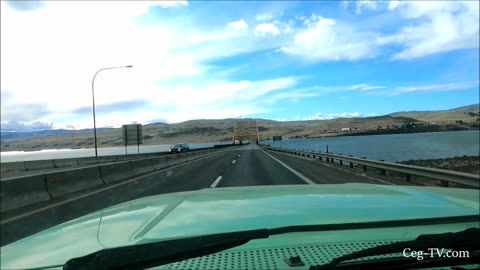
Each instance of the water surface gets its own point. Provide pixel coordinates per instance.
(395, 147)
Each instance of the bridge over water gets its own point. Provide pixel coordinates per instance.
(41, 199)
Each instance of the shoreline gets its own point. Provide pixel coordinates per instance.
(466, 164)
(388, 132)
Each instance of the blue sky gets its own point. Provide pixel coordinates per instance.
(281, 60)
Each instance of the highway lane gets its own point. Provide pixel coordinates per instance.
(239, 166)
(252, 167)
(193, 175)
(322, 172)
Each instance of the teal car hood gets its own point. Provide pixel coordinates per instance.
(209, 211)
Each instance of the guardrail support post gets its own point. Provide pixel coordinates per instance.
(351, 163)
(364, 166)
(327, 159)
(444, 183)
(408, 178)
(341, 162)
(382, 171)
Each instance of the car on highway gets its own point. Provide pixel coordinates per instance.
(179, 147)
(330, 226)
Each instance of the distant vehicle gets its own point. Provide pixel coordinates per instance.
(178, 148)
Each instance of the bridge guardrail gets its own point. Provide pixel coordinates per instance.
(445, 176)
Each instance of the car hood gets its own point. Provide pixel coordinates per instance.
(208, 211)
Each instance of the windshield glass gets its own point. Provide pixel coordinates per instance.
(288, 113)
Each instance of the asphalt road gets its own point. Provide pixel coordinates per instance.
(247, 165)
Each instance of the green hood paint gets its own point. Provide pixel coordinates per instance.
(208, 211)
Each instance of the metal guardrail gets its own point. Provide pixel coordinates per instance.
(445, 176)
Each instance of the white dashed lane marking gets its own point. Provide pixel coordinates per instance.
(234, 161)
(215, 183)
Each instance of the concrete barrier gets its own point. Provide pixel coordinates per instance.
(70, 181)
(106, 159)
(86, 161)
(122, 158)
(21, 191)
(188, 156)
(181, 157)
(116, 172)
(143, 166)
(39, 165)
(64, 163)
(172, 159)
(160, 162)
(12, 167)
(16, 193)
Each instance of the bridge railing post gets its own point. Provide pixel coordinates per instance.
(364, 167)
(382, 171)
(350, 163)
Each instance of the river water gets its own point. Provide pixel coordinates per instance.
(394, 147)
(12, 156)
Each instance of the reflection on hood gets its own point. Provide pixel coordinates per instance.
(210, 211)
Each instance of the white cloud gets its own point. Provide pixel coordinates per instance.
(60, 59)
(445, 26)
(326, 39)
(183, 101)
(436, 87)
(398, 90)
(329, 116)
(264, 17)
(266, 29)
(294, 95)
(238, 25)
(172, 3)
(431, 26)
(366, 5)
(365, 87)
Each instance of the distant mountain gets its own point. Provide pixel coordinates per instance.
(10, 135)
(465, 113)
(211, 130)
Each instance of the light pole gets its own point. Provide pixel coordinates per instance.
(93, 99)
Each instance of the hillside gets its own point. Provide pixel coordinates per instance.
(466, 113)
(211, 130)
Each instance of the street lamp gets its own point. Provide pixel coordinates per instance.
(93, 99)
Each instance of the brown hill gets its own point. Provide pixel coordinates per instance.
(467, 114)
(211, 130)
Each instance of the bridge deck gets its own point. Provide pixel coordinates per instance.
(248, 165)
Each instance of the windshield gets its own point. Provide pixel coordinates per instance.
(288, 113)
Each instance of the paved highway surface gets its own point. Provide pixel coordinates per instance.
(239, 166)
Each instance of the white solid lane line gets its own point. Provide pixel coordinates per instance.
(234, 161)
(303, 177)
(215, 183)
